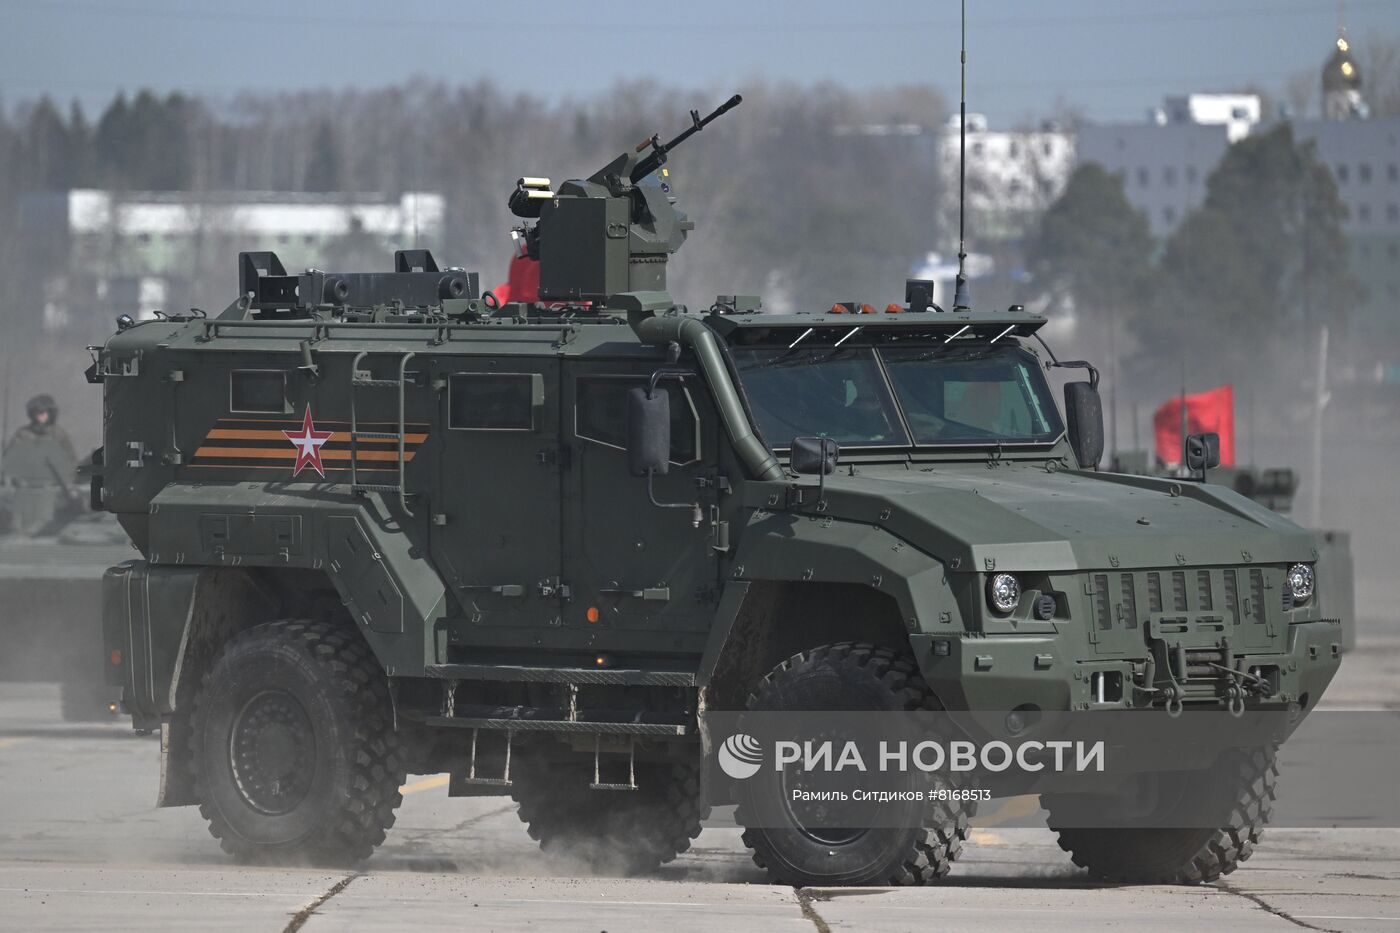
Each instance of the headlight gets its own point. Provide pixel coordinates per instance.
(1003, 592)
(1300, 582)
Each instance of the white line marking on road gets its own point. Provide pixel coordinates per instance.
(576, 902)
(141, 893)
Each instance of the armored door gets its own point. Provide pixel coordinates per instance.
(496, 538)
(643, 578)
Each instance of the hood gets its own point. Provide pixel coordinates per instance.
(1016, 517)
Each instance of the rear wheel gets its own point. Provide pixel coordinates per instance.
(294, 753)
(848, 677)
(624, 832)
(1236, 796)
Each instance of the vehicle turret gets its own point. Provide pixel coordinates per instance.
(612, 232)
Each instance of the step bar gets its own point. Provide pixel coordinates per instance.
(562, 675)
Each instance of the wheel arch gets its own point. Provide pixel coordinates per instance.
(170, 623)
(779, 618)
(815, 581)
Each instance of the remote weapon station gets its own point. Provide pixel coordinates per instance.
(391, 526)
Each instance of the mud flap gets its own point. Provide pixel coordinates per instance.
(176, 781)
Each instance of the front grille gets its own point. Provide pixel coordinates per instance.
(1102, 612)
(1232, 595)
(1256, 594)
(1235, 595)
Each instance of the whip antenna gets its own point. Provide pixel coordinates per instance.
(961, 299)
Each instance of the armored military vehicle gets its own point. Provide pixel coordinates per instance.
(390, 525)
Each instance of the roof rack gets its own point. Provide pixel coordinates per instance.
(416, 282)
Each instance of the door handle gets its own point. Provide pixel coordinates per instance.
(505, 589)
(652, 593)
(552, 588)
(554, 456)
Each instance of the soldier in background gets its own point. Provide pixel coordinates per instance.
(38, 465)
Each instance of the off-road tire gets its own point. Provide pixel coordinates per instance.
(1245, 782)
(333, 742)
(854, 676)
(622, 832)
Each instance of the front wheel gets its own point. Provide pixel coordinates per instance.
(1116, 839)
(926, 836)
(294, 752)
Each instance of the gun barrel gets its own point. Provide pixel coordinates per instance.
(658, 154)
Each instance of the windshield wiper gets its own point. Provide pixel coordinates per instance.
(959, 355)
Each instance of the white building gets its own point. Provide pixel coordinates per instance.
(1364, 156)
(263, 216)
(1012, 175)
(1238, 113)
(1165, 161)
(106, 253)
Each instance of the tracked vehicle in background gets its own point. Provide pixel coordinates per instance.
(51, 607)
(389, 526)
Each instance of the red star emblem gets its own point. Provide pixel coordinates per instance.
(308, 444)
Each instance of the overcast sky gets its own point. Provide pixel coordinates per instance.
(1113, 59)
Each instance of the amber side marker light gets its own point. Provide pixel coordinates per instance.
(592, 614)
(116, 657)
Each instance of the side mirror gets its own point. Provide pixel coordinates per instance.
(648, 431)
(814, 455)
(1202, 452)
(1084, 417)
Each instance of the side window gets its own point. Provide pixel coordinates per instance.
(493, 401)
(258, 391)
(601, 415)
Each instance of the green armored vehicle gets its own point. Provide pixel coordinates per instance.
(390, 526)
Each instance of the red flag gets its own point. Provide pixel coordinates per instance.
(523, 283)
(1206, 412)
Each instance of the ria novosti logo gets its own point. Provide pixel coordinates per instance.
(740, 756)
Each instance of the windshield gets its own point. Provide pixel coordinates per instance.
(973, 395)
(805, 393)
(948, 396)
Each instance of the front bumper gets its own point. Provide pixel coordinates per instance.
(1049, 673)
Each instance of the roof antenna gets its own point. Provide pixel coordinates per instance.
(961, 298)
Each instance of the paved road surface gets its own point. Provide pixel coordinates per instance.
(82, 847)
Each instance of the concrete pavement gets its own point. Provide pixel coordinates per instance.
(82, 847)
